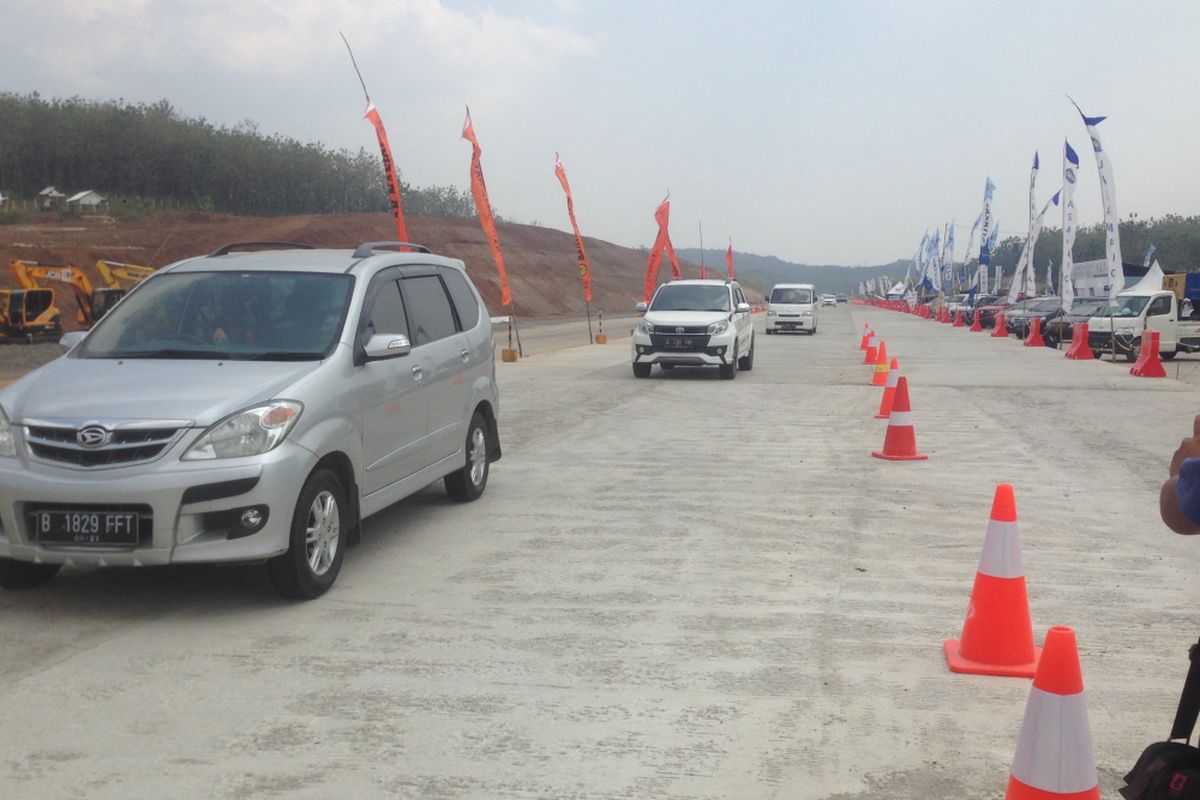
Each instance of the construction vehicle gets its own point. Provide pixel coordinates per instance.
(29, 273)
(113, 273)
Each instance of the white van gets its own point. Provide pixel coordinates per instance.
(792, 307)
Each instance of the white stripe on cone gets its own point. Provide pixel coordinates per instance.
(1001, 557)
(892, 379)
(1054, 753)
(901, 419)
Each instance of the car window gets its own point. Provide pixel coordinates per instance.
(741, 298)
(464, 299)
(1161, 305)
(386, 314)
(690, 297)
(429, 306)
(786, 295)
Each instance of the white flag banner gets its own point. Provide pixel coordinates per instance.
(1032, 183)
(992, 242)
(935, 266)
(1070, 223)
(923, 259)
(981, 278)
(1108, 193)
(1023, 277)
(989, 223)
(971, 242)
(950, 249)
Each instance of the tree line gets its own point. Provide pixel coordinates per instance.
(151, 151)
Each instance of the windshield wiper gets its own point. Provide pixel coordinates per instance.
(166, 353)
(283, 355)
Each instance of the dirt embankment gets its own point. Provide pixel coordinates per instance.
(542, 267)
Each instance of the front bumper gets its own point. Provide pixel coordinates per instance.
(791, 323)
(198, 530)
(698, 350)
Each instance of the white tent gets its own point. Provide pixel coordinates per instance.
(896, 292)
(1152, 282)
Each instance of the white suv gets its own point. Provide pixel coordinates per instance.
(695, 323)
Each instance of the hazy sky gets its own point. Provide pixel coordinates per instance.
(821, 132)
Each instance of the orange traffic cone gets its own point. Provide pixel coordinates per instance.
(900, 442)
(977, 325)
(889, 391)
(866, 337)
(1054, 759)
(1000, 330)
(879, 375)
(871, 356)
(997, 638)
(1034, 338)
(958, 319)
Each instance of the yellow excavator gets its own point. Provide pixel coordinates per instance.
(118, 278)
(28, 312)
(30, 273)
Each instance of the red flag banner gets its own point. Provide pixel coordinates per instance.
(662, 215)
(484, 207)
(729, 260)
(389, 171)
(676, 272)
(585, 269)
(703, 273)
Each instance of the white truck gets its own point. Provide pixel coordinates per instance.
(1139, 310)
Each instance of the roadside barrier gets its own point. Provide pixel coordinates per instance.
(1080, 349)
(977, 325)
(958, 319)
(900, 442)
(889, 391)
(997, 636)
(999, 331)
(1148, 364)
(871, 355)
(1054, 759)
(1034, 338)
(879, 374)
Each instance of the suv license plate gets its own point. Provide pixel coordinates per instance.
(679, 343)
(86, 527)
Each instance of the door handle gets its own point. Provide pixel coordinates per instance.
(466, 356)
(416, 371)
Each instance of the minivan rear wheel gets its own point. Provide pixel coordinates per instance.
(24, 575)
(468, 482)
(316, 546)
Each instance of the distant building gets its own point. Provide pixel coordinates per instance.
(50, 198)
(1091, 277)
(89, 200)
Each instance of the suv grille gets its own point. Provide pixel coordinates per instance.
(125, 446)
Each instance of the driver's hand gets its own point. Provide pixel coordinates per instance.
(1188, 448)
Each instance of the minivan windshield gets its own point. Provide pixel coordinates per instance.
(1126, 307)
(691, 297)
(791, 296)
(254, 316)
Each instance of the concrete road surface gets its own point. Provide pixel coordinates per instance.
(679, 587)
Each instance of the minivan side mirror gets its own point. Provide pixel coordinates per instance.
(69, 340)
(387, 345)
(742, 308)
(641, 307)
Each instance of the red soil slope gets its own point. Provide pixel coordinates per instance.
(542, 268)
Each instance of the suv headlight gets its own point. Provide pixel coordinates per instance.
(8, 444)
(770, 313)
(251, 432)
(646, 327)
(717, 328)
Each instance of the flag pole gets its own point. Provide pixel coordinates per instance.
(702, 272)
(591, 336)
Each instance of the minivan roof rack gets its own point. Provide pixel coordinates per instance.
(367, 248)
(226, 249)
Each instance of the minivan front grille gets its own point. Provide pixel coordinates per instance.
(60, 444)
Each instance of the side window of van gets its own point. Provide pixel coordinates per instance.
(386, 314)
(429, 306)
(464, 299)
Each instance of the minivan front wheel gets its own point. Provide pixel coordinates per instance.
(24, 575)
(468, 482)
(315, 549)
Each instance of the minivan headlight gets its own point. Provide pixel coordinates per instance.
(770, 313)
(8, 445)
(251, 432)
(646, 327)
(717, 328)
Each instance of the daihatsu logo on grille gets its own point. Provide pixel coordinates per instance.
(92, 436)
(679, 330)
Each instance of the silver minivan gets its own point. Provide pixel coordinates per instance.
(252, 405)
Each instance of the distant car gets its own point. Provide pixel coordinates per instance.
(1059, 329)
(841, 298)
(792, 307)
(829, 299)
(1044, 308)
(695, 323)
(987, 312)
